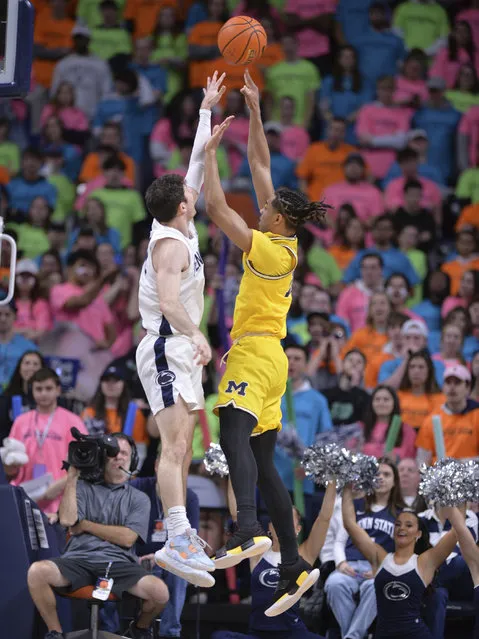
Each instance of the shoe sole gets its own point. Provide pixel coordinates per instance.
(200, 578)
(236, 555)
(190, 562)
(305, 581)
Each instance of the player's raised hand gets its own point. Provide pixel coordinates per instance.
(250, 92)
(214, 91)
(202, 350)
(218, 132)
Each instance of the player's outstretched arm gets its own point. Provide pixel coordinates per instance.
(196, 168)
(217, 208)
(170, 259)
(258, 152)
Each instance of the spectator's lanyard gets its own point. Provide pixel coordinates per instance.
(41, 437)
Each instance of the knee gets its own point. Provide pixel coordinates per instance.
(366, 586)
(39, 573)
(176, 449)
(160, 593)
(337, 582)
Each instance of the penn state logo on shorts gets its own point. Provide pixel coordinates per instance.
(269, 577)
(396, 591)
(165, 378)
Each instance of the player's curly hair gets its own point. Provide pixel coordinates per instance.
(297, 209)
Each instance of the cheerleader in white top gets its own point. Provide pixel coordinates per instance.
(470, 552)
(400, 577)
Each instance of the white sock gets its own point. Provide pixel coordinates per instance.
(177, 521)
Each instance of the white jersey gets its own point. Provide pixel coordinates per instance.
(192, 282)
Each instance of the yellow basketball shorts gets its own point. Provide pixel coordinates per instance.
(255, 380)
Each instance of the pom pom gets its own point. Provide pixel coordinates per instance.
(215, 461)
(330, 462)
(289, 440)
(450, 482)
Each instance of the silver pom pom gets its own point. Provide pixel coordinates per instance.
(450, 482)
(328, 462)
(290, 441)
(215, 461)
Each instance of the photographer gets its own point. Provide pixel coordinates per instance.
(105, 520)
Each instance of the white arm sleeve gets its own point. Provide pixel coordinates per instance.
(196, 169)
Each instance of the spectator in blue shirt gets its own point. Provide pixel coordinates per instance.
(415, 336)
(157, 532)
(343, 93)
(380, 50)
(23, 189)
(12, 346)
(282, 168)
(417, 140)
(156, 74)
(436, 288)
(394, 260)
(439, 120)
(353, 17)
(311, 417)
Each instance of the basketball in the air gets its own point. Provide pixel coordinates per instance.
(241, 40)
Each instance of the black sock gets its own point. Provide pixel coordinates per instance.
(236, 427)
(275, 495)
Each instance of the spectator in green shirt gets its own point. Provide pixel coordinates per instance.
(170, 50)
(294, 77)
(9, 151)
(53, 171)
(110, 38)
(32, 234)
(124, 206)
(423, 24)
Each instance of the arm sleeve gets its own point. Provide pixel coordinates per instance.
(196, 169)
(82, 500)
(269, 257)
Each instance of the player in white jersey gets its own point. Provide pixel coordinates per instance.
(171, 355)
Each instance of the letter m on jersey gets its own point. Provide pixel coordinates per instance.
(233, 387)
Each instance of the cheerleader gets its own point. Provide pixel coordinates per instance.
(470, 552)
(264, 579)
(401, 577)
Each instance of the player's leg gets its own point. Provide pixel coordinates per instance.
(236, 426)
(183, 553)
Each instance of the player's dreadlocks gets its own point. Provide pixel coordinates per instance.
(296, 207)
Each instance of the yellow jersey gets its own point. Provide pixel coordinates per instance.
(264, 296)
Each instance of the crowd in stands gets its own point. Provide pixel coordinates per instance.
(372, 107)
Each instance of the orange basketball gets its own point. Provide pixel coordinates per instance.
(241, 40)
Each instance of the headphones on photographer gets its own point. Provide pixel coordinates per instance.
(135, 460)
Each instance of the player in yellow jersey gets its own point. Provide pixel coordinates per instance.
(256, 371)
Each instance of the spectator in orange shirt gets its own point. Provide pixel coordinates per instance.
(469, 217)
(348, 239)
(323, 162)
(273, 51)
(202, 41)
(459, 420)
(466, 260)
(52, 39)
(108, 409)
(142, 15)
(372, 338)
(392, 350)
(109, 140)
(418, 392)
(234, 74)
(474, 394)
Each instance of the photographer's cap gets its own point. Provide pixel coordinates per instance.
(113, 371)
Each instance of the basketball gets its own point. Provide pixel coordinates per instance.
(241, 40)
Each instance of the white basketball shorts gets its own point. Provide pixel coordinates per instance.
(166, 370)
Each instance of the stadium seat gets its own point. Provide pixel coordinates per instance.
(85, 594)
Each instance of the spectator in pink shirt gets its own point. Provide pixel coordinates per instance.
(34, 317)
(45, 432)
(79, 300)
(180, 124)
(105, 153)
(62, 105)
(459, 50)
(235, 138)
(381, 128)
(411, 89)
(468, 139)
(313, 21)
(367, 199)
(471, 16)
(121, 294)
(383, 407)
(260, 10)
(408, 161)
(353, 301)
(294, 139)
